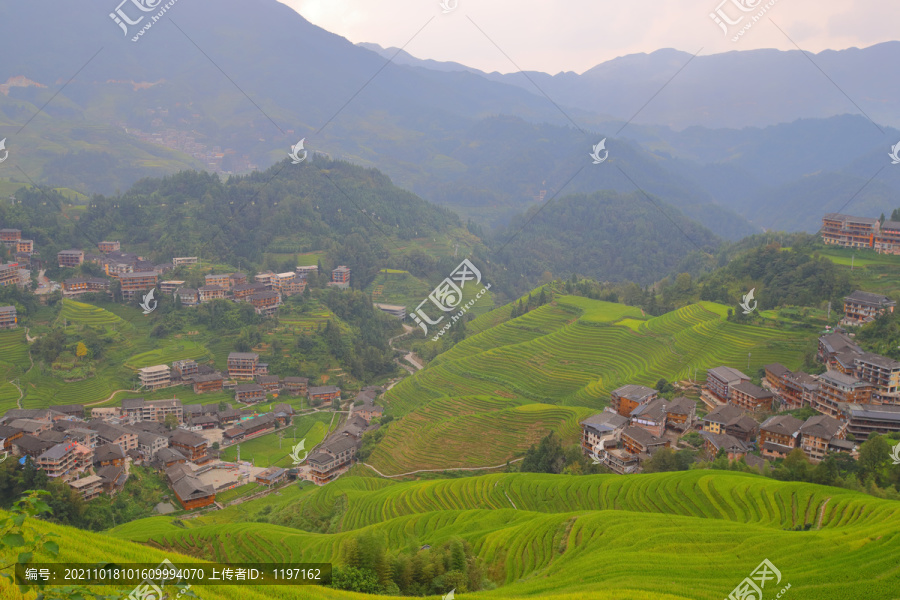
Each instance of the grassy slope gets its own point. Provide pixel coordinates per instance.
(692, 535)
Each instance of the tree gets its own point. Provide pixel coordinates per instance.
(548, 457)
(171, 422)
(874, 454)
(663, 460)
(81, 350)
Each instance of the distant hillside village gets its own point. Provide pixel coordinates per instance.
(137, 276)
(93, 453)
(858, 394)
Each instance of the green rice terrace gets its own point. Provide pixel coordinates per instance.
(552, 367)
(541, 534)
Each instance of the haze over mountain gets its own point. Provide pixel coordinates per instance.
(487, 146)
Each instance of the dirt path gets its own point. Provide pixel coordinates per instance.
(440, 470)
(510, 500)
(28, 337)
(822, 513)
(107, 399)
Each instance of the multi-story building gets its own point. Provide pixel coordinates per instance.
(325, 393)
(8, 317)
(192, 445)
(9, 274)
(89, 487)
(25, 246)
(140, 410)
(65, 460)
(836, 390)
(70, 258)
(720, 381)
(207, 383)
(330, 459)
(848, 231)
(395, 310)
(185, 368)
(107, 247)
(598, 431)
(883, 373)
(249, 393)
(237, 279)
(138, 282)
(222, 281)
(150, 443)
(243, 365)
(155, 377)
(341, 275)
(265, 278)
(793, 389)
(113, 434)
(779, 435)
(10, 236)
(748, 396)
(190, 491)
(640, 441)
(208, 293)
(651, 416)
(306, 270)
(888, 239)
(862, 307)
(715, 443)
(863, 419)
(171, 286)
(818, 436)
(270, 383)
(188, 296)
(298, 386)
(245, 290)
(728, 418)
(628, 397)
(184, 260)
(288, 284)
(265, 303)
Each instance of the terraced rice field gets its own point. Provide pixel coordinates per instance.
(575, 353)
(88, 314)
(677, 536)
(172, 350)
(470, 432)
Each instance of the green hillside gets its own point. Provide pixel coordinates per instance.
(640, 537)
(477, 399)
(577, 350)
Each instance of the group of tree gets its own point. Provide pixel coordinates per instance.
(368, 567)
(549, 456)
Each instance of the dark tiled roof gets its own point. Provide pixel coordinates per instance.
(821, 426)
(754, 391)
(782, 424)
(869, 298)
(636, 393)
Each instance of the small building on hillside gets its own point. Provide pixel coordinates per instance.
(721, 380)
(601, 431)
(249, 393)
(818, 434)
(203, 384)
(156, 377)
(297, 386)
(864, 419)
(9, 319)
(324, 394)
(192, 445)
(243, 365)
(332, 458)
(628, 397)
(779, 435)
(734, 448)
(748, 396)
(271, 476)
(862, 307)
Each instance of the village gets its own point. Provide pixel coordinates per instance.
(858, 394)
(92, 449)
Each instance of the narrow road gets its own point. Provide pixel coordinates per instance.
(440, 470)
(510, 500)
(107, 399)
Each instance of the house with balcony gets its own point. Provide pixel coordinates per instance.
(888, 239)
(864, 307)
(331, 459)
(714, 443)
(204, 384)
(324, 394)
(848, 231)
(837, 390)
(296, 386)
(155, 377)
(728, 418)
(249, 393)
(779, 435)
(70, 258)
(243, 365)
(822, 434)
(601, 431)
(107, 247)
(191, 445)
(628, 397)
(719, 382)
(139, 282)
(750, 397)
(883, 373)
(865, 419)
(265, 303)
(9, 319)
(208, 293)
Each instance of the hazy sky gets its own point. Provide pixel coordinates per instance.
(575, 35)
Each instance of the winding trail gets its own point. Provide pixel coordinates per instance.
(107, 399)
(822, 513)
(510, 500)
(442, 470)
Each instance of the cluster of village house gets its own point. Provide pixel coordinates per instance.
(93, 454)
(136, 276)
(858, 394)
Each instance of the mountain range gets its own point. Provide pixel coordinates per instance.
(248, 78)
